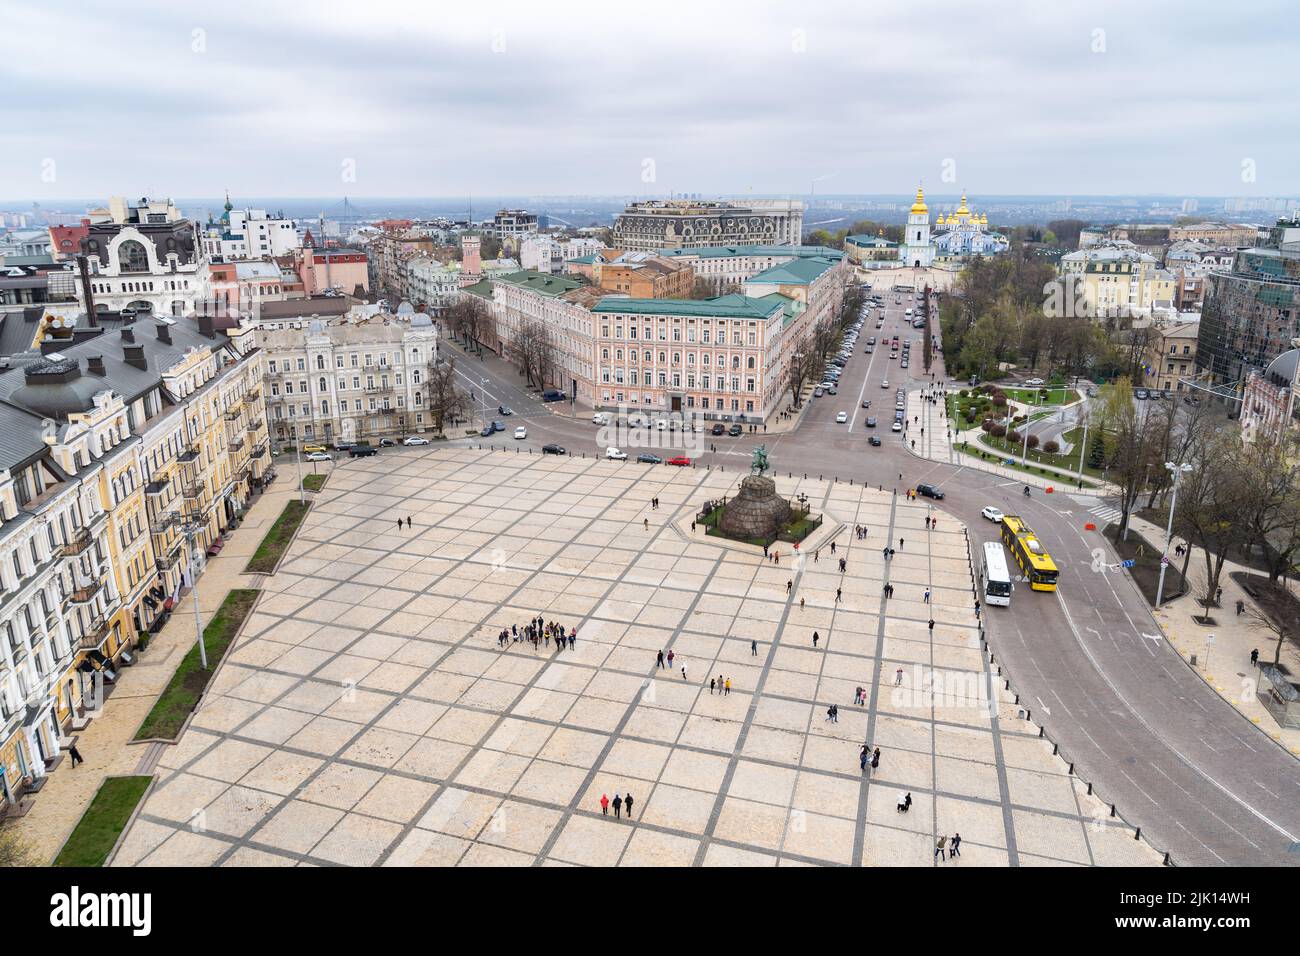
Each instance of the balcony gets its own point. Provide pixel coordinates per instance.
(188, 456)
(254, 426)
(77, 544)
(85, 595)
(94, 637)
(192, 489)
(236, 444)
(378, 389)
(163, 523)
(167, 562)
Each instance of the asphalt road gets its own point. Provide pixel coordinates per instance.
(1201, 781)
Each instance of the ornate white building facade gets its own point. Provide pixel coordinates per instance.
(917, 250)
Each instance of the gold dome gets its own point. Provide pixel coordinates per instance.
(919, 207)
(962, 210)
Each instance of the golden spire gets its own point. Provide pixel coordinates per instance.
(919, 207)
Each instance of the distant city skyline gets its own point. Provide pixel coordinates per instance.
(390, 101)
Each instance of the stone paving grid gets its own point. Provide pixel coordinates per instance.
(367, 717)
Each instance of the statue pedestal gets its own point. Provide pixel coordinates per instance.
(757, 511)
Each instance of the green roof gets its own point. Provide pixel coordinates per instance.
(733, 306)
(540, 282)
(795, 272)
(722, 252)
(585, 260)
(482, 288)
(866, 240)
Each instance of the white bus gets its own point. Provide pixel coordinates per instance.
(994, 576)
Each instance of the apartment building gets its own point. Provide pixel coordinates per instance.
(727, 268)
(115, 451)
(645, 275)
(1170, 362)
(1117, 280)
(348, 378)
(685, 223)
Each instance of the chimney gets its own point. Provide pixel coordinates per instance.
(128, 335)
(134, 355)
(205, 326)
(164, 333)
(95, 365)
(83, 267)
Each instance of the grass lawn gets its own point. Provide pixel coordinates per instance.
(1032, 396)
(103, 821)
(276, 542)
(1000, 458)
(182, 693)
(313, 482)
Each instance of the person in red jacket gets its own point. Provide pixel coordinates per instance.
(604, 804)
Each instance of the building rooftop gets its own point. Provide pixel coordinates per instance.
(733, 306)
(796, 271)
(719, 252)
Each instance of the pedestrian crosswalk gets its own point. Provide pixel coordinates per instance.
(1102, 512)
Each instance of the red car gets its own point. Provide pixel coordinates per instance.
(680, 460)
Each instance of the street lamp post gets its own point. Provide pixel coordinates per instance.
(1177, 471)
(190, 530)
(297, 454)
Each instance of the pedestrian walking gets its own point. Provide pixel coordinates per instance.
(670, 658)
(753, 647)
(618, 804)
(399, 524)
(932, 627)
(683, 672)
(875, 758)
(898, 677)
(789, 586)
(862, 759)
(954, 846)
(727, 692)
(408, 521)
(711, 682)
(900, 544)
(75, 754)
(926, 596)
(692, 527)
(660, 659)
(905, 803)
(815, 637)
(858, 695)
(627, 806)
(1241, 606)
(801, 604)
(646, 523)
(604, 805)
(939, 848)
(1254, 657)
(832, 547)
(837, 595)
(842, 565)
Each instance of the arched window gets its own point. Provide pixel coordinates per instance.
(131, 257)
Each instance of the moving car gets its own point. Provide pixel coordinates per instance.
(841, 418)
(897, 426)
(615, 454)
(319, 456)
(1033, 381)
(553, 450)
(831, 390)
(735, 430)
(553, 395)
(498, 426)
(521, 432)
(600, 418)
(874, 441)
(818, 392)
(681, 461)
(993, 514)
(343, 446)
(885, 384)
(415, 440)
(866, 403)
(871, 422)
(362, 451)
(504, 410)
(649, 459)
(930, 491)
(487, 432)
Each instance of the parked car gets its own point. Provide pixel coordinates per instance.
(930, 491)
(615, 454)
(387, 443)
(487, 432)
(680, 460)
(648, 459)
(319, 456)
(735, 430)
(818, 392)
(415, 440)
(831, 390)
(362, 451)
(521, 432)
(897, 426)
(309, 449)
(600, 418)
(343, 446)
(993, 514)
(1033, 381)
(553, 395)
(553, 450)
(1140, 394)
(719, 429)
(498, 426)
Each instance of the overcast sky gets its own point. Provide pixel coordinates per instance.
(379, 98)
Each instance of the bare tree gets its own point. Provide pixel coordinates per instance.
(1276, 624)
(1271, 480)
(469, 319)
(534, 352)
(797, 373)
(445, 401)
(14, 851)
(1131, 452)
(1212, 503)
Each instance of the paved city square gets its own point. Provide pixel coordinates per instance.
(366, 715)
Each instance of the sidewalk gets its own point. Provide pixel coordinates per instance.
(105, 743)
(939, 444)
(1225, 664)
